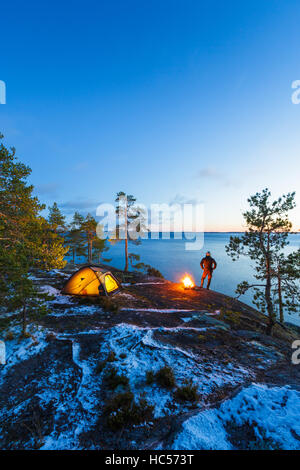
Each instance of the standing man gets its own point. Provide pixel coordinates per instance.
(208, 265)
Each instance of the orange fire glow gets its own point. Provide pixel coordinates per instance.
(188, 282)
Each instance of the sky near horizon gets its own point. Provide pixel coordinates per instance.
(166, 100)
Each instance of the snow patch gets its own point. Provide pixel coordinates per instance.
(158, 310)
(20, 349)
(273, 410)
(145, 352)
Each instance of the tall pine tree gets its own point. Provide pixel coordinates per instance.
(75, 238)
(27, 239)
(266, 236)
(131, 223)
(56, 218)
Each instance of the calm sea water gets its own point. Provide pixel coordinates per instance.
(173, 260)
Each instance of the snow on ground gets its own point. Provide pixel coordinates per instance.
(196, 315)
(187, 319)
(83, 406)
(274, 410)
(128, 284)
(205, 431)
(94, 331)
(159, 310)
(8, 314)
(149, 283)
(267, 353)
(59, 298)
(144, 352)
(19, 349)
(171, 310)
(76, 310)
(125, 295)
(55, 272)
(50, 290)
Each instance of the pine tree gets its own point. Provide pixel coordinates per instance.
(88, 227)
(266, 235)
(56, 218)
(131, 222)
(75, 239)
(100, 246)
(286, 273)
(27, 240)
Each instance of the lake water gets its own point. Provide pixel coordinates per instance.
(173, 260)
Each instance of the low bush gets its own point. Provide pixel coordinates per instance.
(154, 272)
(113, 379)
(165, 377)
(111, 356)
(100, 366)
(150, 377)
(10, 336)
(123, 411)
(187, 392)
(50, 337)
(108, 305)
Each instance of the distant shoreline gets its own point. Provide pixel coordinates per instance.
(173, 233)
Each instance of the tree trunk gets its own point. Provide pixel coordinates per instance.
(281, 314)
(270, 309)
(268, 298)
(89, 251)
(24, 326)
(126, 254)
(126, 237)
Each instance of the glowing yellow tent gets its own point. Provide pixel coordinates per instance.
(91, 280)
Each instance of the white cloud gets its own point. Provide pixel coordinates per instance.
(214, 174)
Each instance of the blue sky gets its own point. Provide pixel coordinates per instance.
(167, 100)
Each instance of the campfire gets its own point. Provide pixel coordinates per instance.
(188, 282)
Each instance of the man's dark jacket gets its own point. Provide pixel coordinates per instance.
(208, 264)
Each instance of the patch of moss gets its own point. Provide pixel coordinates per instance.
(230, 316)
(202, 337)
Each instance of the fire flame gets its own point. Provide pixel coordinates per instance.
(188, 282)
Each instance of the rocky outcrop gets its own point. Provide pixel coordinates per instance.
(65, 386)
